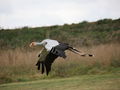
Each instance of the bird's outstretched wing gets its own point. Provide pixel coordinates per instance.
(50, 58)
(47, 63)
(57, 51)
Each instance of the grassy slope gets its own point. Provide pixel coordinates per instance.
(85, 82)
(80, 34)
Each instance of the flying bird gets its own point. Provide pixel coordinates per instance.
(51, 50)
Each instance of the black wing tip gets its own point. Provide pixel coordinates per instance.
(38, 65)
(47, 73)
(41, 64)
(48, 68)
(42, 67)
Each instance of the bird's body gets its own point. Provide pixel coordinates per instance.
(52, 50)
(49, 43)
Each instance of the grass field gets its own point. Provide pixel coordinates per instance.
(84, 82)
(12, 62)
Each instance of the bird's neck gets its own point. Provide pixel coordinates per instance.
(40, 43)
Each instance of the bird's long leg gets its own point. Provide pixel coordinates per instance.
(81, 53)
(77, 52)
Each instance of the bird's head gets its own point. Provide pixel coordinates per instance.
(37, 43)
(32, 44)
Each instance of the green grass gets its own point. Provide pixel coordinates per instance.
(84, 82)
(18, 74)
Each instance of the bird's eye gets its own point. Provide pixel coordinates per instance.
(45, 43)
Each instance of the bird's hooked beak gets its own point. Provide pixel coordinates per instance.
(32, 44)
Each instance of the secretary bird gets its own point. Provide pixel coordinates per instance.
(51, 50)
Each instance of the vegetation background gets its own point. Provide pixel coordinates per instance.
(102, 38)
